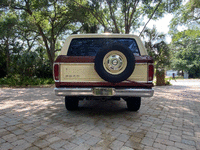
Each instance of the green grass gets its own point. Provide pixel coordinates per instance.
(17, 80)
(176, 78)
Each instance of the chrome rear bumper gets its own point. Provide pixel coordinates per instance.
(122, 92)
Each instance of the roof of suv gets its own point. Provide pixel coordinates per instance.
(104, 35)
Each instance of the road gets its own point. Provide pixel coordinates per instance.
(186, 82)
(34, 118)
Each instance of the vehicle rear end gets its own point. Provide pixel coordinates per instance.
(104, 66)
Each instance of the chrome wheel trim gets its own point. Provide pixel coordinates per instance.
(115, 62)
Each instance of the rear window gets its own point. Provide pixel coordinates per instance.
(90, 46)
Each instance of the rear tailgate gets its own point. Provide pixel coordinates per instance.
(80, 71)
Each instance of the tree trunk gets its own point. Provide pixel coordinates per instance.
(160, 77)
(7, 58)
(182, 73)
(50, 51)
(52, 54)
(112, 15)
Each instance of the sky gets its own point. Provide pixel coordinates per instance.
(162, 25)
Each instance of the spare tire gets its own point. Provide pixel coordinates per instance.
(115, 63)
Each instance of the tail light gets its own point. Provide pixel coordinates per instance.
(151, 72)
(56, 71)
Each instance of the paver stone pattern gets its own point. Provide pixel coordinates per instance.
(34, 118)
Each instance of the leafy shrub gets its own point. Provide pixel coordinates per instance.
(19, 80)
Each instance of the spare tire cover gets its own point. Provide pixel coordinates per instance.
(115, 63)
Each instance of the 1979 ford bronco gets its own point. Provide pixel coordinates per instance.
(103, 66)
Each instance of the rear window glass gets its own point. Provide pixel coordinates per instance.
(90, 46)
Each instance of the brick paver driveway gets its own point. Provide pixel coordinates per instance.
(34, 118)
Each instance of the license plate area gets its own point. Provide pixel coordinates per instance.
(103, 91)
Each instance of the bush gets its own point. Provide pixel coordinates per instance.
(167, 83)
(15, 80)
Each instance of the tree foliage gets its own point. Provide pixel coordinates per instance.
(8, 40)
(30, 28)
(186, 56)
(186, 43)
(157, 48)
(124, 16)
(50, 19)
(159, 51)
(188, 15)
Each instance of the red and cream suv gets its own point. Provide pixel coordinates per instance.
(103, 66)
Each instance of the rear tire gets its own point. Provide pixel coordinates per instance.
(71, 103)
(133, 103)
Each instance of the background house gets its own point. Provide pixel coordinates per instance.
(169, 73)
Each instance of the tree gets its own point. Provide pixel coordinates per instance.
(8, 40)
(15, 39)
(124, 16)
(185, 44)
(186, 54)
(27, 33)
(160, 52)
(187, 15)
(162, 59)
(51, 19)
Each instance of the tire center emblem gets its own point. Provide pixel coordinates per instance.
(114, 62)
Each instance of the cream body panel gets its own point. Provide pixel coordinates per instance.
(140, 73)
(79, 72)
(141, 47)
(85, 72)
